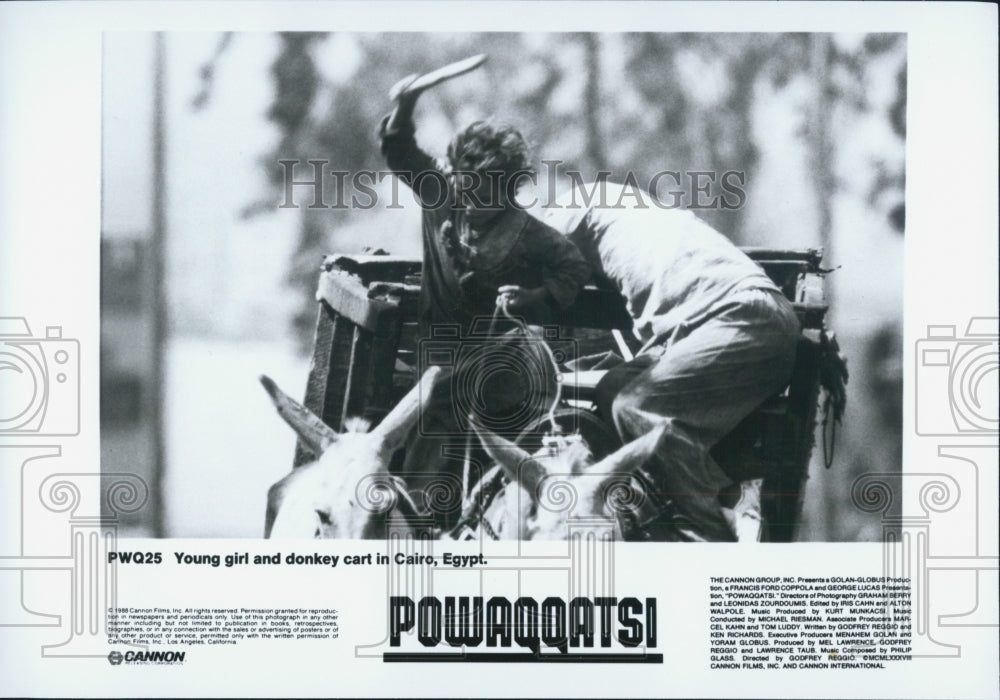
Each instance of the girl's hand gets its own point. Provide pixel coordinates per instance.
(516, 297)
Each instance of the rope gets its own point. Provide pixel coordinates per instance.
(833, 380)
(829, 445)
(466, 468)
(501, 308)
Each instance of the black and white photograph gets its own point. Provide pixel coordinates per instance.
(658, 274)
(507, 349)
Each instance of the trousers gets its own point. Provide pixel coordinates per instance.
(699, 383)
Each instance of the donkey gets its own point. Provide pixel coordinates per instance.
(347, 492)
(554, 487)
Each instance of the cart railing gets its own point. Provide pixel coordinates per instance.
(364, 360)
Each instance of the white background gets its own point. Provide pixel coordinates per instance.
(50, 92)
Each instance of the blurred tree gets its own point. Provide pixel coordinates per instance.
(633, 103)
(636, 103)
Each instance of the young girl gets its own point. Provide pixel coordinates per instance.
(478, 243)
(480, 250)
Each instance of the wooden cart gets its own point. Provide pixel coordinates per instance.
(364, 360)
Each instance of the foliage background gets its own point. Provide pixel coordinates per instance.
(816, 122)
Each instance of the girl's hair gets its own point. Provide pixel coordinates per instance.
(484, 148)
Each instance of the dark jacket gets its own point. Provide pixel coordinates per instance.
(457, 287)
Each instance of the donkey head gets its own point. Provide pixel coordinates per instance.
(553, 489)
(348, 491)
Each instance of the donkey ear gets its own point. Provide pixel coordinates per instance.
(313, 432)
(516, 463)
(630, 455)
(393, 429)
(291, 510)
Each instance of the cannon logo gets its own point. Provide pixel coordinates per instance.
(115, 658)
(582, 630)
